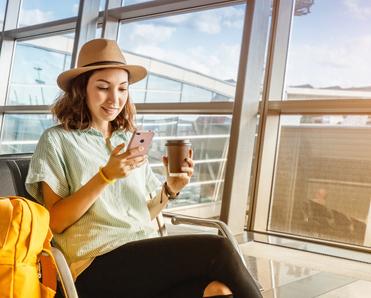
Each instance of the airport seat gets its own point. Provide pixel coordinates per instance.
(13, 170)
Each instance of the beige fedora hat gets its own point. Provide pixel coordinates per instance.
(100, 53)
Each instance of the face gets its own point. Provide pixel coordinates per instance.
(107, 93)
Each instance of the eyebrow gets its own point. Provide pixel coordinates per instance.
(102, 80)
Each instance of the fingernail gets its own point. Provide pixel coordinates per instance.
(184, 168)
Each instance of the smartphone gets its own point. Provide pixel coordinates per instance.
(141, 138)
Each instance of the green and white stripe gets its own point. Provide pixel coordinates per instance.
(66, 160)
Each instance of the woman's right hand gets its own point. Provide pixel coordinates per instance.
(121, 165)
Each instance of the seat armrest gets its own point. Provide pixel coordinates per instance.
(65, 274)
(211, 223)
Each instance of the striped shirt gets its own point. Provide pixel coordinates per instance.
(66, 160)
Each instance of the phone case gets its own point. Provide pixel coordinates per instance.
(141, 138)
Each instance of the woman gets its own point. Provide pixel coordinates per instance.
(96, 193)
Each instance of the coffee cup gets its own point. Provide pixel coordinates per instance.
(177, 152)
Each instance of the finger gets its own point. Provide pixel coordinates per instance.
(118, 148)
(188, 171)
(190, 162)
(137, 159)
(131, 153)
(139, 164)
(165, 161)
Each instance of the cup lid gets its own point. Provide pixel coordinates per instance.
(178, 142)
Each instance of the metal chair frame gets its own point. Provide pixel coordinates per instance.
(18, 166)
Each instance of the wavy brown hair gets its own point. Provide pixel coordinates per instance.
(72, 111)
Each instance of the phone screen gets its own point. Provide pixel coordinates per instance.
(141, 138)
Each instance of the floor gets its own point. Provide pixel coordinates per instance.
(291, 273)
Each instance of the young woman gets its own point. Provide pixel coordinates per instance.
(102, 199)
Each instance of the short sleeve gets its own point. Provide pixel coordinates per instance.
(47, 165)
(152, 183)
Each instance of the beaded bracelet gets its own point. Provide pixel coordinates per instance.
(165, 190)
(109, 181)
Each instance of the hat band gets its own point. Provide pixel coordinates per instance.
(104, 63)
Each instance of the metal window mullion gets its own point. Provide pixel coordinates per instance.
(269, 126)
(144, 10)
(86, 26)
(322, 107)
(110, 26)
(162, 8)
(42, 29)
(241, 143)
(6, 51)
(7, 46)
(217, 108)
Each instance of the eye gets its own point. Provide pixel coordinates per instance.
(102, 88)
(123, 89)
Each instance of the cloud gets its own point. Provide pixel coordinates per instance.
(360, 11)
(214, 20)
(75, 9)
(208, 23)
(221, 63)
(347, 64)
(233, 17)
(178, 19)
(150, 34)
(35, 16)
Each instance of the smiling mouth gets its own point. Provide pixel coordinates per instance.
(110, 110)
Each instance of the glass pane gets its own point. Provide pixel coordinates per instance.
(2, 13)
(41, 11)
(329, 54)
(322, 182)
(21, 133)
(194, 56)
(37, 63)
(209, 136)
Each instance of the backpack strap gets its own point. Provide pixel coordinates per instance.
(6, 211)
(48, 267)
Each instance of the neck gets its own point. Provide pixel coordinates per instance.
(105, 129)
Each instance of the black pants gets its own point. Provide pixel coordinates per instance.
(173, 266)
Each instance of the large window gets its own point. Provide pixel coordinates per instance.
(21, 132)
(191, 57)
(329, 52)
(209, 136)
(37, 63)
(41, 11)
(321, 172)
(322, 187)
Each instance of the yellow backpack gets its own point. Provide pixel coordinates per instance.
(24, 236)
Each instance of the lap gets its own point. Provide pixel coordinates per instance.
(158, 265)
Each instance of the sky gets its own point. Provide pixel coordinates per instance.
(330, 46)
(208, 42)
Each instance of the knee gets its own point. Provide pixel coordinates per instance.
(216, 288)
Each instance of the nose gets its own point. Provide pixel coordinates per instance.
(113, 97)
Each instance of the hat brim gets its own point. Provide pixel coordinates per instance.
(136, 73)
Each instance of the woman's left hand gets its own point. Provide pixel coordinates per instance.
(176, 184)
